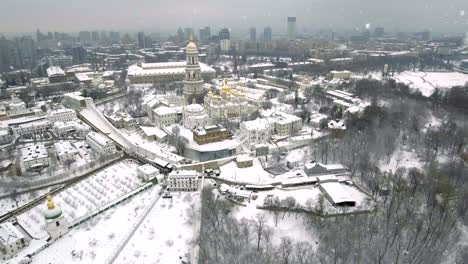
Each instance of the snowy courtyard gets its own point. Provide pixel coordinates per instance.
(426, 82)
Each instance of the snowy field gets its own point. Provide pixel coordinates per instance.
(426, 82)
(87, 195)
(308, 198)
(95, 240)
(166, 234)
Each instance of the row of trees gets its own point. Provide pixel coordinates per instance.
(416, 223)
(226, 240)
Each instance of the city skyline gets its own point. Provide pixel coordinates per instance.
(157, 16)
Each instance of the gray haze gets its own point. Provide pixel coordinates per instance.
(167, 15)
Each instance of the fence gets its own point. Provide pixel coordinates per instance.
(30, 182)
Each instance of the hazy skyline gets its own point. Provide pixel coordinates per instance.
(166, 16)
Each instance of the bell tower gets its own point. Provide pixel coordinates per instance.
(56, 223)
(193, 83)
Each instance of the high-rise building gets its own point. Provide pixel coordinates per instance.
(224, 34)
(148, 42)
(292, 28)
(253, 34)
(104, 35)
(9, 57)
(267, 34)
(95, 36)
(193, 83)
(225, 39)
(141, 40)
(114, 37)
(79, 55)
(26, 51)
(379, 32)
(39, 35)
(205, 34)
(85, 36)
(426, 35)
(126, 39)
(188, 32)
(180, 34)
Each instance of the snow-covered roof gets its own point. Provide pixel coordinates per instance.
(258, 124)
(163, 68)
(61, 110)
(98, 138)
(186, 173)
(9, 234)
(55, 71)
(336, 124)
(147, 169)
(194, 108)
(64, 147)
(243, 158)
(33, 152)
(34, 124)
(164, 110)
(337, 193)
(82, 77)
(153, 131)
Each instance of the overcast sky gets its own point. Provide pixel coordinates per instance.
(167, 15)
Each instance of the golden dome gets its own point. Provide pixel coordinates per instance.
(225, 88)
(191, 46)
(50, 203)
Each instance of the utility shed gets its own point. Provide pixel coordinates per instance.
(337, 195)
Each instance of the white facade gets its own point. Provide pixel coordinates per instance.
(34, 155)
(32, 128)
(231, 104)
(100, 143)
(194, 116)
(78, 127)
(258, 131)
(62, 115)
(147, 172)
(164, 116)
(164, 71)
(11, 240)
(183, 181)
(18, 107)
(225, 45)
(193, 82)
(56, 223)
(287, 124)
(65, 151)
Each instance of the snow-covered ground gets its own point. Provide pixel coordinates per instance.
(166, 234)
(255, 174)
(426, 82)
(95, 240)
(11, 203)
(85, 196)
(401, 159)
(289, 224)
